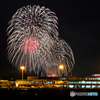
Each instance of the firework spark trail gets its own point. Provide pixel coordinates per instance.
(33, 41)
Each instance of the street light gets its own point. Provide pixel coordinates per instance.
(61, 67)
(22, 68)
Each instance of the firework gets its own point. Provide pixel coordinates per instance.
(33, 41)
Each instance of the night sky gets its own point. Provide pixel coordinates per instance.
(79, 23)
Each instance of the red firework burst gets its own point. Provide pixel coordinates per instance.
(30, 44)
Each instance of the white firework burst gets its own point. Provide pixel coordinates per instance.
(33, 41)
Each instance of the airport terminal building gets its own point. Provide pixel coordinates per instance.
(88, 82)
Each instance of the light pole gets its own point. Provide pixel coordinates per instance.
(22, 68)
(61, 67)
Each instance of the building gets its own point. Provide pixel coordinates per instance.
(88, 82)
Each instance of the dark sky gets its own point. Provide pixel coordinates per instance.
(79, 22)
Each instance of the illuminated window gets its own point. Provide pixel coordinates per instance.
(33, 82)
(60, 85)
(93, 86)
(98, 82)
(88, 82)
(83, 86)
(98, 78)
(88, 86)
(73, 82)
(62, 79)
(98, 86)
(93, 82)
(71, 86)
(81, 82)
(70, 82)
(65, 85)
(49, 82)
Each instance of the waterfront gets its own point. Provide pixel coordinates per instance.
(51, 86)
(45, 92)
